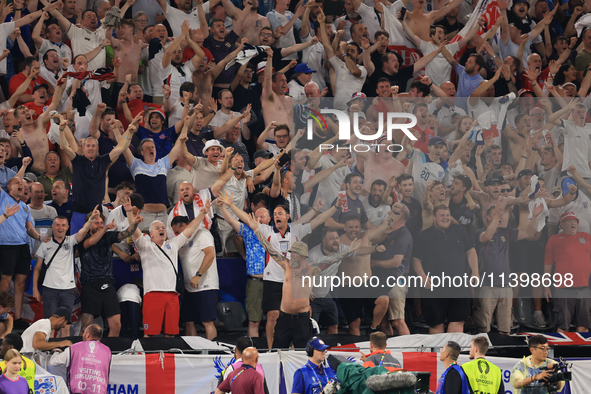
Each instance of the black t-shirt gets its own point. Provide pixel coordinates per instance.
(88, 182)
(451, 29)
(196, 143)
(462, 213)
(415, 223)
(453, 382)
(398, 242)
(243, 97)
(96, 261)
(221, 49)
(119, 172)
(444, 252)
(399, 79)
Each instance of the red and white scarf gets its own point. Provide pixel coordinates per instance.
(180, 210)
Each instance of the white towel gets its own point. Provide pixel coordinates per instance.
(535, 187)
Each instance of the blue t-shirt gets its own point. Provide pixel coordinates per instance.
(163, 140)
(255, 253)
(466, 84)
(13, 231)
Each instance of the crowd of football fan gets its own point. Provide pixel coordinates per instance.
(170, 135)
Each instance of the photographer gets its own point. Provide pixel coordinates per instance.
(530, 374)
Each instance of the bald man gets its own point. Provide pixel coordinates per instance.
(244, 379)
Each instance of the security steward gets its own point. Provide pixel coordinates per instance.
(484, 377)
(314, 376)
(453, 380)
(14, 341)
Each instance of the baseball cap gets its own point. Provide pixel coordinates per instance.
(62, 311)
(303, 68)
(568, 83)
(520, 1)
(159, 112)
(570, 215)
(357, 95)
(436, 140)
(494, 179)
(29, 176)
(263, 154)
(526, 172)
(556, 189)
(212, 143)
(261, 67)
(299, 248)
(524, 91)
(43, 85)
(319, 344)
(566, 182)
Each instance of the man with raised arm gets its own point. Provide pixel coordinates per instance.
(276, 105)
(160, 264)
(128, 49)
(293, 323)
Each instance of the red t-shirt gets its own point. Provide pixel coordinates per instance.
(18, 80)
(39, 109)
(571, 254)
(135, 106)
(526, 84)
(425, 136)
(247, 382)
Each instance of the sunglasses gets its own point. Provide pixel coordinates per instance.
(506, 190)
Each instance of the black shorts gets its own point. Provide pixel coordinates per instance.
(272, 293)
(353, 308)
(99, 298)
(436, 310)
(296, 329)
(325, 311)
(16, 260)
(199, 306)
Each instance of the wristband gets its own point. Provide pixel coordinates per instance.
(232, 168)
(525, 157)
(376, 248)
(5, 215)
(198, 274)
(24, 143)
(431, 84)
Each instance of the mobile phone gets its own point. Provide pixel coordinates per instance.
(16, 128)
(402, 13)
(283, 160)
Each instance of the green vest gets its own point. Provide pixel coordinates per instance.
(484, 377)
(27, 371)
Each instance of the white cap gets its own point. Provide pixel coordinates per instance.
(210, 144)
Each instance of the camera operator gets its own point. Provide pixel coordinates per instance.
(528, 375)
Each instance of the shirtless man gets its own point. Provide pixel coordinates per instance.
(420, 22)
(126, 47)
(518, 137)
(248, 22)
(293, 325)
(433, 196)
(377, 165)
(34, 131)
(360, 266)
(276, 105)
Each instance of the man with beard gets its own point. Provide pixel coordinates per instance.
(349, 76)
(225, 113)
(14, 243)
(99, 296)
(276, 105)
(447, 113)
(31, 67)
(52, 173)
(444, 247)
(248, 22)
(54, 35)
(232, 139)
(483, 376)
(293, 323)
(374, 208)
(460, 208)
(349, 204)
(406, 185)
(323, 304)
(469, 74)
(159, 258)
(433, 196)
(346, 21)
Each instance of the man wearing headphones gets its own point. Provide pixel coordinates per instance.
(313, 377)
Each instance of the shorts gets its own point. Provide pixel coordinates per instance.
(397, 303)
(272, 294)
(527, 256)
(199, 306)
(353, 307)
(16, 260)
(161, 308)
(491, 299)
(225, 231)
(99, 298)
(55, 298)
(254, 298)
(572, 305)
(325, 310)
(437, 310)
(296, 329)
(149, 217)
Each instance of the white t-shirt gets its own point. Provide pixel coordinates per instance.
(424, 170)
(93, 93)
(176, 18)
(191, 259)
(6, 29)
(159, 274)
(176, 79)
(60, 275)
(296, 90)
(43, 325)
(445, 116)
(221, 118)
(84, 41)
(370, 19)
(581, 206)
(314, 56)
(375, 215)
(577, 141)
(129, 292)
(205, 174)
(288, 39)
(329, 189)
(176, 112)
(273, 271)
(62, 50)
(317, 256)
(511, 49)
(43, 219)
(119, 216)
(439, 68)
(347, 29)
(551, 176)
(157, 75)
(238, 188)
(347, 84)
